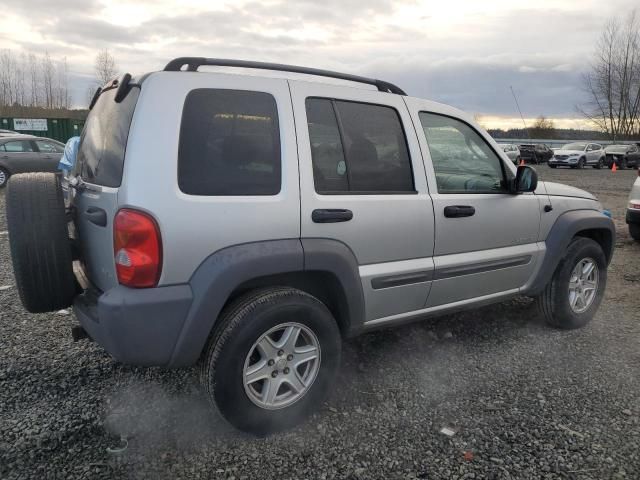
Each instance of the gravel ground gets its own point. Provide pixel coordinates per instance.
(524, 400)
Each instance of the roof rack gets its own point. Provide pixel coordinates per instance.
(193, 63)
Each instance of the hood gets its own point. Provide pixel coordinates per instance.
(561, 190)
(568, 152)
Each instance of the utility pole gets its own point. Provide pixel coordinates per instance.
(520, 111)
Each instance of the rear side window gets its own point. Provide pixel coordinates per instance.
(357, 148)
(229, 143)
(47, 147)
(19, 146)
(104, 139)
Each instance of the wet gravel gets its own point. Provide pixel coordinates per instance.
(522, 400)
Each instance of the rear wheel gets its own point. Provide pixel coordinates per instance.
(4, 177)
(552, 166)
(600, 164)
(271, 360)
(39, 241)
(634, 231)
(571, 298)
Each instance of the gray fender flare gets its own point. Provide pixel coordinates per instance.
(564, 229)
(222, 272)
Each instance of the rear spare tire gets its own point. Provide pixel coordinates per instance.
(39, 240)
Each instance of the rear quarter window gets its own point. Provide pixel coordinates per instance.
(229, 143)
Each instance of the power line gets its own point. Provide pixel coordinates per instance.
(520, 111)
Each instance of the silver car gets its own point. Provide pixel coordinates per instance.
(512, 151)
(288, 215)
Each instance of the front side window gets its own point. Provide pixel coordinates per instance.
(229, 143)
(357, 147)
(462, 160)
(46, 147)
(18, 146)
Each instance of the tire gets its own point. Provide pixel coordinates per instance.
(634, 231)
(623, 164)
(39, 241)
(580, 163)
(552, 166)
(4, 177)
(554, 303)
(600, 164)
(239, 328)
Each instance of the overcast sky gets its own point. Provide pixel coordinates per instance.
(462, 52)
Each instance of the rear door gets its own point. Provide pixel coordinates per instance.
(359, 155)
(48, 155)
(100, 164)
(486, 238)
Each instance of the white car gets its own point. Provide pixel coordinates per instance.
(512, 151)
(579, 154)
(633, 211)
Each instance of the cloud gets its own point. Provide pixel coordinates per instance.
(460, 52)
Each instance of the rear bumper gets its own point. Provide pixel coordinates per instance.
(136, 326)
(633, 216)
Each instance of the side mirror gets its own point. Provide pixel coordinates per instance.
(526, 179)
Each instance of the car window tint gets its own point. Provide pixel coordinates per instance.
(329, 165)
(18, 146)
(46, 147)
(357, 147)
(462, 160)
(229, 143)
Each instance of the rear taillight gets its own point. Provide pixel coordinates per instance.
(137, 248)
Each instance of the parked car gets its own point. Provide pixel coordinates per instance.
(535, 153)
(579, 154)
(259, 245)
(623, 156)
(512, 151)
(8, 133)
(25, 153)
(633, 210)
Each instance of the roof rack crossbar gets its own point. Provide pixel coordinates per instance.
(193, 63)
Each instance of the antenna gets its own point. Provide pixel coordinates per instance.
(520, 111)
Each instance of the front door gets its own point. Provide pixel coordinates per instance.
(486, 238)
(360, 163)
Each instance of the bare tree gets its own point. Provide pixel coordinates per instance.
(543, 127)
(48, 79)
(105, 67)
(613, 84)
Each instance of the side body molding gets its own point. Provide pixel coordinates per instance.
(564, 229)
(222, 272)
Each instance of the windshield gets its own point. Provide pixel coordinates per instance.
(104, 139)
(617, 148)
(575, 146)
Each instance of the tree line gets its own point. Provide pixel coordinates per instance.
(27, 79)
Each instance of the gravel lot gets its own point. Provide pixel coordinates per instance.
(524, 400)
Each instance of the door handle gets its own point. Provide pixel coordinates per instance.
(331, 215)
(457, 211)
(97, 216)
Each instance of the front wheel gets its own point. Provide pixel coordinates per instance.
(552, 166)
(571, 298)
(271, 360)
(634, 231)
(581, 163)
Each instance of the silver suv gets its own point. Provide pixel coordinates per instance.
(248, 223)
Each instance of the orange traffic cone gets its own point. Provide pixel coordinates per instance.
(614, 167)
